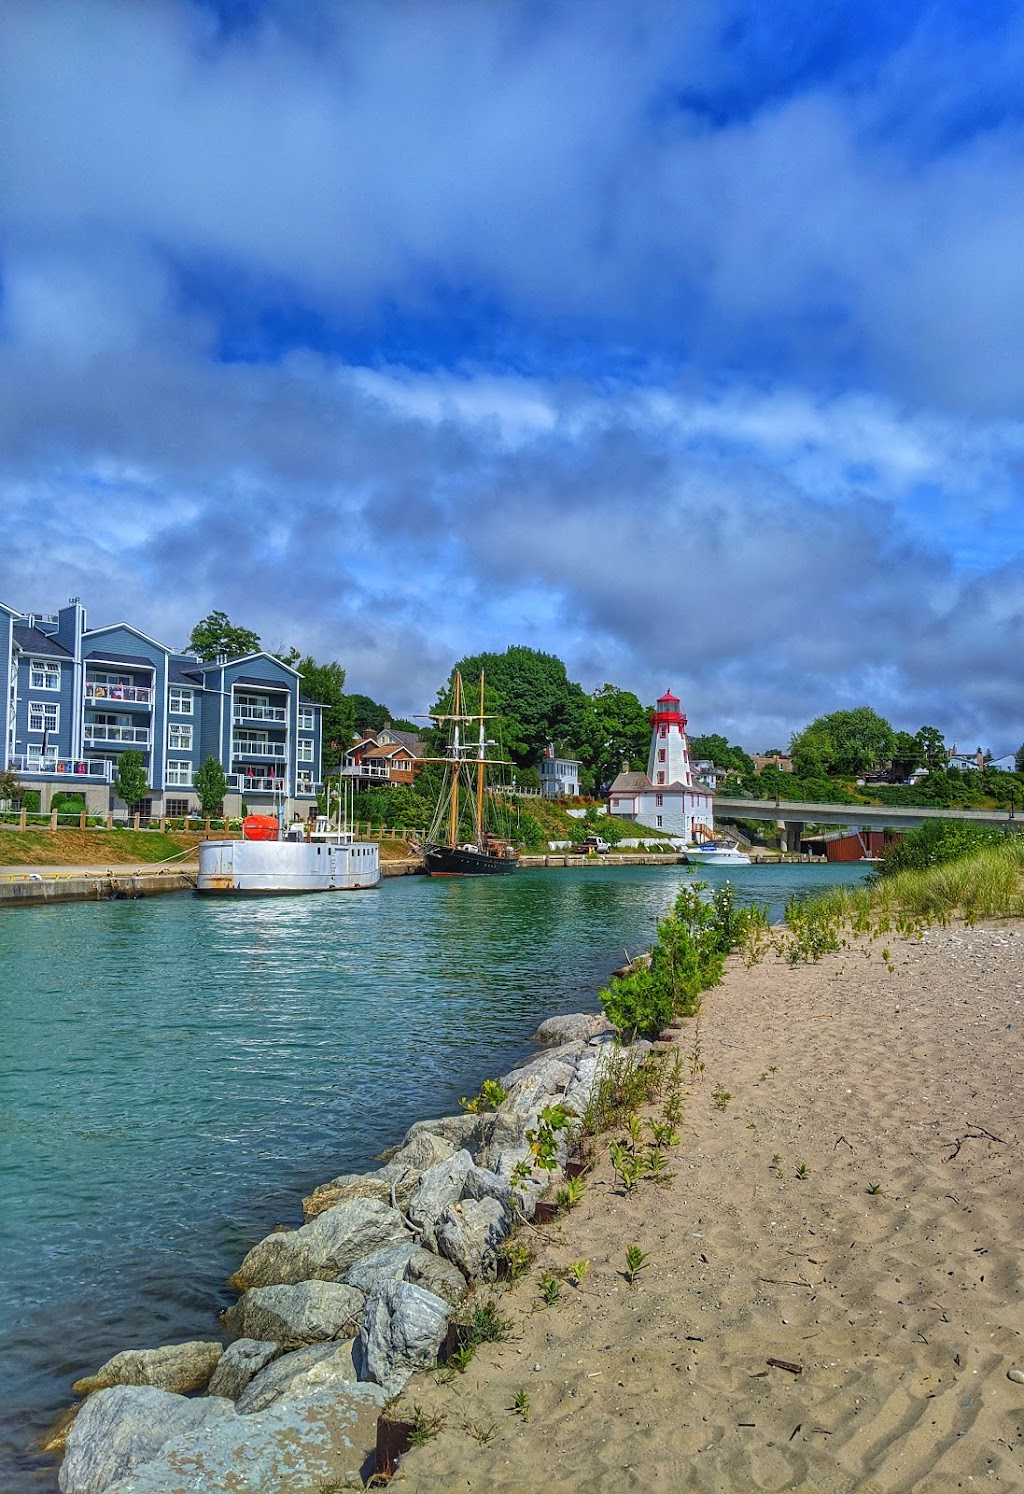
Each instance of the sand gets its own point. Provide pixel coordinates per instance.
(902, 1306)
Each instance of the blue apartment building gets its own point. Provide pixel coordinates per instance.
(78, 697)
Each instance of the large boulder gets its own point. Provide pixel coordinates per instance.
(387, 1264)
(240, 1363)
(567, 1029)
(463, 1131)
(122, 1427)
(306, 1313)
(437, 1275)
(439, 1186)
(480, 1182)
(513, 1118)
(581, 1086)
(425, 1148)
(469, 1234)
(402, 1330)
(552, 1075)
(304, 1445)
(324, 1249)
(342, 1190)
(307, 1369)
(176, 1367)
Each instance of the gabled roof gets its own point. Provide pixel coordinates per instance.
(136, 661)
(33, 641)
(630, 783)
(184, 672)
(264, 684)
(409, 739)
(11, 611)
(114, 627)
(247, 658)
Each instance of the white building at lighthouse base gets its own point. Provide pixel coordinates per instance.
(667, 797)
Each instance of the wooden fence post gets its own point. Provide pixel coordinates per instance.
(81, 820)
(23, 818)
(135, 821)
(53, 819)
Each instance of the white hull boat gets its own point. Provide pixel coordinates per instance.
(717, 853)
(324, 860)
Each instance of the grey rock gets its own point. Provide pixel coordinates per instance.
(565, 1052)
(439, 1186)
(552, 1076)
(324, 1249)
(402, 1330)
(468, 1131)
(565, 1029)
(312, 1368)
(581, 1086)
(387, 1264)
(240, 1363)
(480, 1182)
(437, 1275)
(305, 1313)
(513, 1118)
(426, 1148)
(1016, 1375)
(343, 1189)
(469, 1234)
(125, 1426)
(175, 1367)
(305, 1445)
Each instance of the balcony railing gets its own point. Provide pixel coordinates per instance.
(365, 770)
(129, 694)
(76, 767)
(258, 749)
(260, 713)
(243, 784)
(133, 736)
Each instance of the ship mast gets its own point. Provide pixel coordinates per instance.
(453, 821)
(480, 773)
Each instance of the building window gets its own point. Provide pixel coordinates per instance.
(176, 809)
(661, 754)
(659, 799)
(661, 778)
(44, 676)
(179, 773)
(179, 701)
(304, 782)
(42, 716)
(305, 718)
(659, 819)
(305, 750)
(179, 737)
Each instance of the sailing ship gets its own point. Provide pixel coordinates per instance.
(459, 842)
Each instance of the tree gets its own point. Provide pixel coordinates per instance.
(10, 786)
(130, 782)
(714, 748)
(367, 714)
(907, 754)
(211, 784)
(933, 748)
(1018, 759)
(843, 742)
(325, 684)
(615, 728)
(537, 701)
(215, 634)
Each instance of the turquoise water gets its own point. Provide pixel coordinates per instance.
(175, 1073)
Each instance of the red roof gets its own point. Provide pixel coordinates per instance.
(668, 696)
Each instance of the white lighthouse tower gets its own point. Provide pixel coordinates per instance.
(669, 758)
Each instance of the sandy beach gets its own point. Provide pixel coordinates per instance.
(889, 1274)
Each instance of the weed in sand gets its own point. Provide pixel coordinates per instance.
(657, 1165)
(521, 1404)
(518, 1258)
(461, 1358)
(550, 1288)
(637, 1260)
(424, 1426)
(577, 1271)
(479, 1432)
(663, 1133)
(720, 1097)
(874, 1188)
(570, 1193)
(802, 1171)
(487, 1326)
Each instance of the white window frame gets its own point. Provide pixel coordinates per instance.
(43, 709)
(306, 720)
(304, 781)
(179, 773)
(43, 674)
(305, 751)
(179, 736)
(184, 704)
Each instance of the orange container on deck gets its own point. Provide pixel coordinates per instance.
(259, 827)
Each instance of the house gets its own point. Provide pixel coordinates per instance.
(79, 697)
(559, 776)
(780, 760)
(966, 762)
(668, 796)
(385, 756)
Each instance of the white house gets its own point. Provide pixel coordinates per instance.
(668, 796)
(559, 776)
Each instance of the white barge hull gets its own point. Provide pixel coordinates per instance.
(282, 866)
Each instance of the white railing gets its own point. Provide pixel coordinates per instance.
(131, 694)
(364, 770)
(260, 713)
(243, 784)
(76, 767)
(240, 748)
(137, 736)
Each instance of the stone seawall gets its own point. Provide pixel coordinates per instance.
(91, 885)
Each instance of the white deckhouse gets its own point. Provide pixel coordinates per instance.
(667, 797)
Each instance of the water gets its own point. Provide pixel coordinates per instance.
(176, 1073)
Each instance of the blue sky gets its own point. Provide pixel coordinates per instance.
(680, 340)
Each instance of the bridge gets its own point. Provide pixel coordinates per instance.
(793, 816)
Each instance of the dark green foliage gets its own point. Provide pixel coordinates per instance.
(615, 729)
(933, 748)
(10, 786)
(367, 714)
(715, 748)
(533, 695)
(1018, 759)
(934, 844)
(325, 684)
(687, 958)
(214, 634)
(846, 742)
(211, 784)
(65, 803)
(130, 783)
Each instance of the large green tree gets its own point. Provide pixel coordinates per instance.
(130, 782)
(325, 684)
(907, 754)
(211, 784)
(615, 729)
(215, 634)
(845, 743)
(713, 747)
(933, 748)
(534, 696)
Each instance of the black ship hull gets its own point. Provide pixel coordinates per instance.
(453, 861)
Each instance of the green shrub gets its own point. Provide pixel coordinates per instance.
(934, 844)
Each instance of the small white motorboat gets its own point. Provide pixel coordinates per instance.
(717, 853)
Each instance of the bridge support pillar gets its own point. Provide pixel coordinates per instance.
(792, 833)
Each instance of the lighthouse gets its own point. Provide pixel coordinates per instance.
(669, 757)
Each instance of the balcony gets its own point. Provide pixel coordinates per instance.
(260, 713)
(46, 767)
(124, 736)
(379, 771)
(241, 783)
(125, 694)
(241, 748)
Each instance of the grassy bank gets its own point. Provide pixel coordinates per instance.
(92, 847)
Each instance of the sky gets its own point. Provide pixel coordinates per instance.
(683, 341)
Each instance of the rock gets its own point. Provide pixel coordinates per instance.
(565, 1052)
(581, 1086)
(566, 1029)
(513, 1118)
(176, 1367)
(552, 1076)
(240, 1363)
(426, 1148)
(402, 1330)
(306, 1313)
(324, 1249)
(480, 1182)
(1016, 1375)
(122, 1427)
(469, 1234)
(439, 1186)
(387, 1264)
(463, 1131)
(314, 1442)
(342, 1190)
(437, 1275)
(312, 1368)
